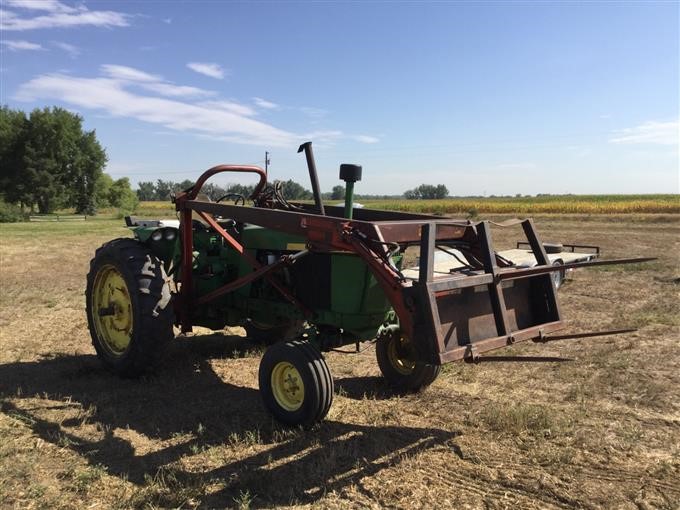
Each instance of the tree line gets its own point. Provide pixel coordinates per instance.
(163, 190)
(48, 161)
(291, 190)
(427, 191)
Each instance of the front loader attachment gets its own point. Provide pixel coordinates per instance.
(483, 302)
(334, 276)
(471, 311)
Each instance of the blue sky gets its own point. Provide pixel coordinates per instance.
(487, 98)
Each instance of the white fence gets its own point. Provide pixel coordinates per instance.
(57, 217)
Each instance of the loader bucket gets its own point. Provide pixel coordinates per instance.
(470, 312)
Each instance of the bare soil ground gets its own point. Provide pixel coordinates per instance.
(601, 431)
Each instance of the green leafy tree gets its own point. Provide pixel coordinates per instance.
(101, 190)
(122, 196)
(291, 190)
(240, 189)
(425, 191)
(48, 160)
(411, 194)
(13, 127)
(338, 192)
(441, 191)
(89, 160)
(146, 191)
(213, 191)
(182, 186)
(164, 189)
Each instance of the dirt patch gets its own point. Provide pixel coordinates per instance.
(600, 431)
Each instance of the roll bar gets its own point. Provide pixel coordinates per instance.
(192, 192)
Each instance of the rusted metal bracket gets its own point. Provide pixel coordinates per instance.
(471, 355)
(512, 273)
(521, 359)
(259, 268)
(572, 336)
(244, 280)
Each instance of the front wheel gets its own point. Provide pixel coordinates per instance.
(295, 383)
(396, 359)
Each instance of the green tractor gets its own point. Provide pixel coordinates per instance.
(306, 278)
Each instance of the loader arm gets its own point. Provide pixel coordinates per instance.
(447, 317)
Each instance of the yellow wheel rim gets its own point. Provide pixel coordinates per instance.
(402, 365)
(287, 386)
(112, 310)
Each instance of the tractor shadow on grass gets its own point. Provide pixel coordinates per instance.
(136, 429)
(360, 388)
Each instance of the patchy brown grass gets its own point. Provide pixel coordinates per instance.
(601, 431)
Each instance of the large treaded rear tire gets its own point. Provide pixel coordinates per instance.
(304, 368)
(150, 306)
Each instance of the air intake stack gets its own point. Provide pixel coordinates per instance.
(350, 174)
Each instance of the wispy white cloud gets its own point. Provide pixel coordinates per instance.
(167, 21)
(366, 138)
(650, 132)
(171, 90)
(230, 106)
(21, 46)
(122, 91)
(37, 14)
(208, 69)
(152, 82)
(263, 103)
(324, 138)
(72, 50)
(129, 73)
(41, 5)
(114, 97)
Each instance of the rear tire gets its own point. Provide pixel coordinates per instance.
(128, 304)
(295, 383)
(396, 360)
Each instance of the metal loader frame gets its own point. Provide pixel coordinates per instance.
(486, 305)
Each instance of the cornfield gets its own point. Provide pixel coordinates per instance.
(558, 204)
(571, 204)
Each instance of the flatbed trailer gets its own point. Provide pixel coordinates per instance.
(450, 261)
(558, 254)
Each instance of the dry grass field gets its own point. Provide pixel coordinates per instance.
(600, 431)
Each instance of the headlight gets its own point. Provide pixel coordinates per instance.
(157, 235)
(170, 234)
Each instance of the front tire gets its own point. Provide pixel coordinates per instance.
(396, 359)
(295, 383)
(129, 309)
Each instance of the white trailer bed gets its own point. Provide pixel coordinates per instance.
(448, 262)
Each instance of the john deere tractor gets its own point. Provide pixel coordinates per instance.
(305, 278)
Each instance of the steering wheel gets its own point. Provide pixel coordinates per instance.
(238, 196)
